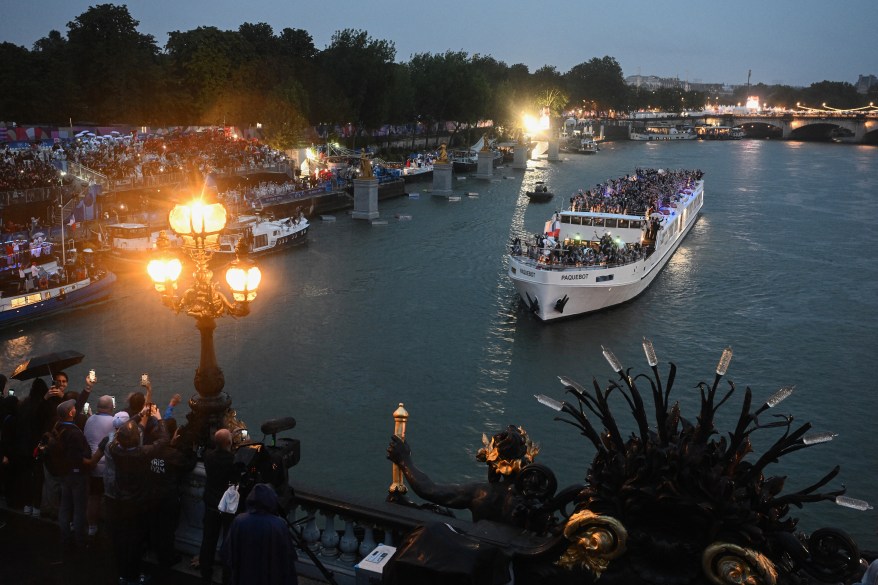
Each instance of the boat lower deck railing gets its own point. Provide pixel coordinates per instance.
(540, 264)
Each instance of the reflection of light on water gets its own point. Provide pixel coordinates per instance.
(681, 259)
(19, 348)
(496, 355)
(309, 290)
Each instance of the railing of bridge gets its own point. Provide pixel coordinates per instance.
(342, 531)
(35, 195)
(339, 530)
(123, 184)
(88, 175)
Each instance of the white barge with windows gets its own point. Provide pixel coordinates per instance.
(260, 235)
(593, 259)
(659, 132)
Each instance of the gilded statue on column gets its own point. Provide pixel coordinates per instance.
(366, 168)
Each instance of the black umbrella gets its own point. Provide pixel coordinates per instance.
(46, 364)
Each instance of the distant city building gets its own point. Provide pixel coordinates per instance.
(865, 83)
(653, 82)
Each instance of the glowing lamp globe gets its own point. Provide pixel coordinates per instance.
(243, 278)
(164, 271)
(197, 218)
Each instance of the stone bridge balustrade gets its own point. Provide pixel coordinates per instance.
(339, 530)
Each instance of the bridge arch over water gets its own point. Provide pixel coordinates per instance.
(859, 128)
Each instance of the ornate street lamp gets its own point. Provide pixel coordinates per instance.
(199, 225)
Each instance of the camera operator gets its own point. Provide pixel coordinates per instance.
(259, 549)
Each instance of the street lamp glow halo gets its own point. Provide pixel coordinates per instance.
(198, 223)
(243, 278)
(164, 272)
(197, 220)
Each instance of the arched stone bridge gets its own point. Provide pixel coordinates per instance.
(862, 127)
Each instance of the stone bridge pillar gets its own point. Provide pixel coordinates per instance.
(485, 168)
(519, 156)
(554, 149)
(365, 198)
(441, 178)
(860, 129)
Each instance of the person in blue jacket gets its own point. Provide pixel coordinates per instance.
(259, 549)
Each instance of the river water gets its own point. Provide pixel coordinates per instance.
(364, 317)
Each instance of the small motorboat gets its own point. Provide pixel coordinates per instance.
(540, 192)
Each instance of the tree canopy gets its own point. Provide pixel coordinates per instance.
(104, 71)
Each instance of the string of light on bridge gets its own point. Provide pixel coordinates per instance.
(827, 109)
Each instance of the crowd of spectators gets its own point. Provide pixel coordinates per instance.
(122, 157)
(129, 157)
(113, 478)
(27, 169)
(117, 472)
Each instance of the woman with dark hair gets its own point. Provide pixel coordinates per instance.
(8, 418)
(34, 418)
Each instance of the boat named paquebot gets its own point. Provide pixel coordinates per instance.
(609, 246)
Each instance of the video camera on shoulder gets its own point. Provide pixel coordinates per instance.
(269, 461)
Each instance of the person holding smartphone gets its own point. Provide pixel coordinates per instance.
(97, 427)
(131, 459)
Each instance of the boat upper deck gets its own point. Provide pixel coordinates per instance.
(599, 231)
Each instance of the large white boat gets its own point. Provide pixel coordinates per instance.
(261, 235)
(592, 260)
(659, 132)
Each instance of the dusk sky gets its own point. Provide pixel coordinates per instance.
(793, 42)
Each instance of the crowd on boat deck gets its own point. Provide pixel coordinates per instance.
(605, 252)
(635, 194)
(645, 192)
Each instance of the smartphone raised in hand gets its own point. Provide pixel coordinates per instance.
(144, 379)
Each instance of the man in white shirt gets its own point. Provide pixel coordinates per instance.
(97, 427)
